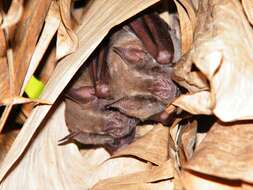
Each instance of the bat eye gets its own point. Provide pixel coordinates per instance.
(131, 55)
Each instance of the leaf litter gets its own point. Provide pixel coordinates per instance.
(214, 73)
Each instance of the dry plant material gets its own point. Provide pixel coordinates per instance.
(152, 147)
(140, 180)
(5, 75)
(6, 140)
(181, 142)
(216, 67)
(223, 58)
(225, 153)
(129, 83)
(248, 8)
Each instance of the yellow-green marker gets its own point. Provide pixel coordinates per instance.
(34, 88)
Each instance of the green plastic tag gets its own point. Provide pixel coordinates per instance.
(34, 88)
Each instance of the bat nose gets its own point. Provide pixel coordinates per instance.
(118, 125)
(164, 89)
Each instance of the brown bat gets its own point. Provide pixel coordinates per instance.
(127, 82)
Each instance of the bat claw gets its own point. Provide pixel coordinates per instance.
(67, 138)
(164, 57)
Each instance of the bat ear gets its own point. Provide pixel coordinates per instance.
(82, 95)
(131, 55)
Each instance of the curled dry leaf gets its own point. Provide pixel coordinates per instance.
(22, 100)
(92, 31)
(4, 76)
(141, 179)
(14, 14)
(225, 153)
(152, 147)
(194, 181)
(248, 8)
(182, 140)
(25, 42)
(187, 23)
(224, 57)
(67, 40)
(51, 25)
(142, 186)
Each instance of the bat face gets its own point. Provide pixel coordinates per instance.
(128, 81)
(137, 81)
(90, 123)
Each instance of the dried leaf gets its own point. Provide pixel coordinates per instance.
(186, 27)
(182, 139)
(224, 57)
(94, 28)
(67, 40)
(189, 138)
(52, 22)
(6, 140)
(21, 100)
(14, 14)
(202, 98)
(48, 66)
(26, 36)
(152, 147)
(164, 185)
(4, 76)
(248, 8)
(156, 173)
(226, 152)
(194, 181)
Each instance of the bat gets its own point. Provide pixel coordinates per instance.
(128, 81)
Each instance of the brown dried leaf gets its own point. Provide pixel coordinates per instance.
(189, 138)
(187, 24)
(91, 33)
(6, 140)
(202, 98)
(224, 57)
(152, 147)
(26, 36)
(51, 25)
(14, 14)
(189, 7)
(182, 138)
(140, 179)
(4, 76)
(67, 40)
(48, 66)
(22, 100)
(193, 181)
(226, 152)
(248, 8)
(164, 185)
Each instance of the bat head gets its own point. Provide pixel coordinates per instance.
(140, 85)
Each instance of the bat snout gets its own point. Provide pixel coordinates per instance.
(164, 89)
(119, 125)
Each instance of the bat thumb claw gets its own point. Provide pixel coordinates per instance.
(164, 57)
(67, 138)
